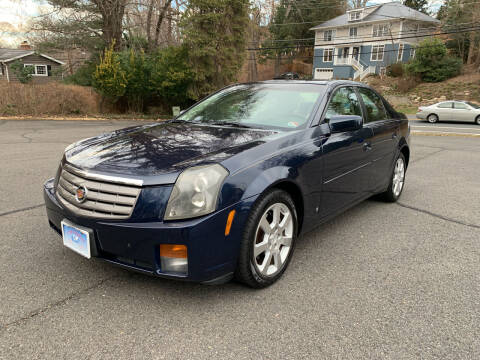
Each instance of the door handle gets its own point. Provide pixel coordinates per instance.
(367, 146)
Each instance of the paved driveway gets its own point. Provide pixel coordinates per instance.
(380, 281)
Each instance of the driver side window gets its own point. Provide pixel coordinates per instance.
(344, 102)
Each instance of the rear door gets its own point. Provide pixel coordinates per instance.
(445, 110)
(385, 130)
(346, 162)
(462, 112)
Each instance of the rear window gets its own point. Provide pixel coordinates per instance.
(445, 105)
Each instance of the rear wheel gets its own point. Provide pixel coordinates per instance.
(397, 180)
(432, 118)
(268, 241)
(477, 120)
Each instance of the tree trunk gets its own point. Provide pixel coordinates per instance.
(471, 48)
(112, 17)
(149, 23)
(160, 20)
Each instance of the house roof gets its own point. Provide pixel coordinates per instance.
(7, 55)
(388, 11)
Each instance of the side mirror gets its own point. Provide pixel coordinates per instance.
(341, 123)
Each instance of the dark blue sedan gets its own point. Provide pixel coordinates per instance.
(225, 189)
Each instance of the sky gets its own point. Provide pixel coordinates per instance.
(15, 16)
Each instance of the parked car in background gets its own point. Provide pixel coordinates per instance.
(287, 76)
(226, 188)
(452, 110)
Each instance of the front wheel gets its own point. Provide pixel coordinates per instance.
(397, 180)
(268, 240)
(477, 120)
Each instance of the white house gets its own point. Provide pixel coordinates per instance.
(366, 40)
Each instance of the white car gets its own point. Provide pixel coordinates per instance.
(450, 111)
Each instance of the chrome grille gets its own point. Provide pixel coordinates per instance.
(104, 200)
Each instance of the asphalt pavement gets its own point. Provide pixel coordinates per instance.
(386, 281)
(444, 128)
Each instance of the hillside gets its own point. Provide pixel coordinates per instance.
(463, 87)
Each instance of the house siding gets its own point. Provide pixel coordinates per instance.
(343, 72)
(318, 60)
(35, 60)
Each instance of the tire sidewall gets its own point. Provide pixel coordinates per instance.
(270, 198)
(391, 195)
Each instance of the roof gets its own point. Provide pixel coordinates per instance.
(7, 55)
(388, 11)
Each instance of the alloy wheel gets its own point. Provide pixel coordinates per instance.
(432, 118)
(398, 177)
(273, 240)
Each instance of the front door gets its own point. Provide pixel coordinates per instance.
(346, 157)
(385, 130)
(462, 112)
(356, 51)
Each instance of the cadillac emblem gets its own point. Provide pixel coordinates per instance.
(81, 194)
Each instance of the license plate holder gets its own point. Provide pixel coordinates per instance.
(76, 238)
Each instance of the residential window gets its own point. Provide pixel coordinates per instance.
(381, 30)
(412, 53)
(353, 32)
(41, 70)
(355, 15)
(329, 35)
(377, 52)
(400, 52)
(38, 70)
(328, 55)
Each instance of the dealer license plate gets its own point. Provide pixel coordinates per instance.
(76, 239)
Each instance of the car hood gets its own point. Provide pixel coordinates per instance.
(151, 151)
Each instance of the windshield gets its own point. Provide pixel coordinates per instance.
(283, 106)
(475, 106)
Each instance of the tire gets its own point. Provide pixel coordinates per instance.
(477, 120)
(432, 118)
(273, 251)
(393, 193)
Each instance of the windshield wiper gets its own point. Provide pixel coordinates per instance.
(234, 124)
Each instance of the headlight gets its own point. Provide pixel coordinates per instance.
(196, 192)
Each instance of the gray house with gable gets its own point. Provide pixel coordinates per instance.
(366, 40)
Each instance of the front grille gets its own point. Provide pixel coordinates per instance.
(104, 200)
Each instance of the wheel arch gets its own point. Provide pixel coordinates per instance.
(296, 193)
(283, 178)
(405, 150)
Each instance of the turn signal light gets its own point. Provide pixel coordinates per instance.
(174, 259)
(231, 215)
(173, 251)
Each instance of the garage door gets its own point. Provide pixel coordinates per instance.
(323, 74)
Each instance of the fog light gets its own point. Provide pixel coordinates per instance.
(174, 259)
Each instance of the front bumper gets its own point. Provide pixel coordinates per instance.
(134, 244)
(421, 115)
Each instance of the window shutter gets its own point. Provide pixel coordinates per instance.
(49, 70)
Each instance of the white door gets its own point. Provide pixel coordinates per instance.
(323, 74)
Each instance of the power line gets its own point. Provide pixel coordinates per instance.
(396, 34)
(361, 53)
(359, 43)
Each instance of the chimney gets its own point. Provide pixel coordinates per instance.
(25, 45)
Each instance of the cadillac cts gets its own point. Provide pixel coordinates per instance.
(225, 189)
